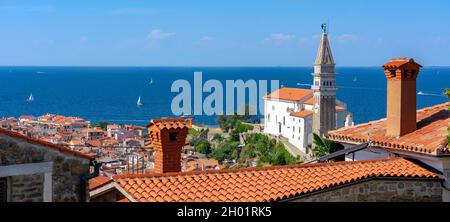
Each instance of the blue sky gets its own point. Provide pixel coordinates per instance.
(221, 33)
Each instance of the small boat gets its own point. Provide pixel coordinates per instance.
(355, 79)
(39, 72)
(420, 93)
(31, 98)
(151, 81)
(139, 103)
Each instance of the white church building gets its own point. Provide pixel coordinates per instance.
(295, 113)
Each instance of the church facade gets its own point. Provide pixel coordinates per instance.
(295, 113)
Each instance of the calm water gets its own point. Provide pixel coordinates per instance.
(110, 93)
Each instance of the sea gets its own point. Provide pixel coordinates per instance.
(110, 93)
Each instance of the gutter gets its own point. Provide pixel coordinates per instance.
(85, 179)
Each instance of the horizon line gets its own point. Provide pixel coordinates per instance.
(205, 66)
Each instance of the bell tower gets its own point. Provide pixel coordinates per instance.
(324, 88)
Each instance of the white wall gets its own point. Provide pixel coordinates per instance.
(277, 110)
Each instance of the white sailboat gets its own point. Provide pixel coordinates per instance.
(151, 81)
(139, 103)
(31, 98)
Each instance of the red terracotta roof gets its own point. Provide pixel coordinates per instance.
(169, 123)
(340, 108)
(398, 62)
(302, 114)
(98, 181)
(290, 94)
(46, 144)
(309, 101)
(26, 117)
(429, 138)
(265, 183)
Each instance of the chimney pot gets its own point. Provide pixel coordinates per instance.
(168, 137)
(401, 75)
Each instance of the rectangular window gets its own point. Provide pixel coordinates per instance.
(173, 136)
(3, 190)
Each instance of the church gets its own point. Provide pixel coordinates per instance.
(295, 114)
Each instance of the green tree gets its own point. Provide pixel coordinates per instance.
(266, 150)
(447, 93)
(217, 138)
(202, 146)
(103, 124)
(194, 135)
(225, 151)
(238, 129)
(322, 146)
(282, 156)
(228, 122)
(247, 153)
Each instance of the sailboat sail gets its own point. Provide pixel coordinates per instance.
(31, 98)
(139, 103)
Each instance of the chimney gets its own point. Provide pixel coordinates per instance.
(401, 74)
(168, 136)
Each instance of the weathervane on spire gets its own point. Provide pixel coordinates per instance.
(324, 28)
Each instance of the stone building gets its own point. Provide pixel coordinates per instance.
(39, 171)
(380, 180)
(389, 179)
(406, 132)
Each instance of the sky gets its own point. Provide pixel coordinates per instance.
(221, 32)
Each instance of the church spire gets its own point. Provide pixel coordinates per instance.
(324, 55)
(324, 88)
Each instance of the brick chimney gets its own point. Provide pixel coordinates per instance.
(168, 136)
(401, 74)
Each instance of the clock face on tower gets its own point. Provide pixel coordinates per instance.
(316, 108)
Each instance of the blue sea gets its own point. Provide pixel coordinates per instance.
(110, 93)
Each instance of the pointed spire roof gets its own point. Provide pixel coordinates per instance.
(324, 55)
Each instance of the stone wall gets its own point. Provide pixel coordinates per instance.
(381, 191)
(27, 188)
(67, 168)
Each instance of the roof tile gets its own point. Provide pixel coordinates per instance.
(429, 138)
(267, 183)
